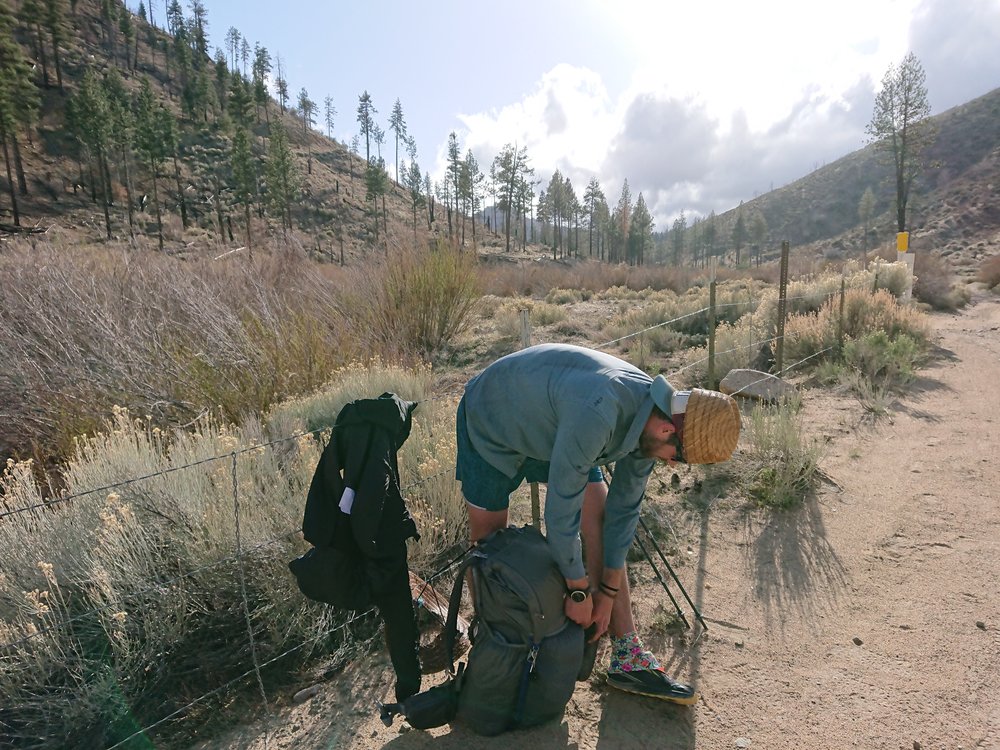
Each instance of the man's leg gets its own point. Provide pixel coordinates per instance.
(633, 668)
(592, 531)
(482, 523)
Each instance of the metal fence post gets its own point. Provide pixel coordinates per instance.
(782, 308)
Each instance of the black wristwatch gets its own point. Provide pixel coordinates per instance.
(579, 595)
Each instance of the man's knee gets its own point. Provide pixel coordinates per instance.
(483, 522)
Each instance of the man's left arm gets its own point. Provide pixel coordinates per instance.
(621, 514)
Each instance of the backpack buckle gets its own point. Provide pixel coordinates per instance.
(532, 657)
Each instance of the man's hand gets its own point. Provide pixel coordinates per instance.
(601, 613)
(580, 612)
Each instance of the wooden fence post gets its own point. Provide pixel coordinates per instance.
(711, 322)
(536, 503)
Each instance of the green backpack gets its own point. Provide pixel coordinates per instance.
(526, 654)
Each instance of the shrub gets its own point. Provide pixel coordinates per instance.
(989, 272)
(936, 284)
(563, 296)
(779, 465)
(879, 358)
(415, 303)
(93, 328)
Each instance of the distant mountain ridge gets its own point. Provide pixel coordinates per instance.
(954, 207)
(955, 201)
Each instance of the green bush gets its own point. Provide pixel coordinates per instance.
(417, 302)
(778, 466)
(879, 358)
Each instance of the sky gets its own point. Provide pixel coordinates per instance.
(698, 104)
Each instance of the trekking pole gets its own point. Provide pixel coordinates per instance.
(673, 575)
(663, 558)
(656, 572)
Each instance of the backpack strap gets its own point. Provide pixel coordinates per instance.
(454, 602)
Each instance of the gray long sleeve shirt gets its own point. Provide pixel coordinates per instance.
(575, 408)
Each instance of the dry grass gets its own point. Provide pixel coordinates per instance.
(87, 329)
(936, 283)
(989, 272)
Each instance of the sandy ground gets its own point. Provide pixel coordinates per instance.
(869, 617)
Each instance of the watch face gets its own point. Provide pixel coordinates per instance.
(578, 596)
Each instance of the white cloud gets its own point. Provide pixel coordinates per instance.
(724, 106)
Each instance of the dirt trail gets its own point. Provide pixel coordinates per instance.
(868, 618)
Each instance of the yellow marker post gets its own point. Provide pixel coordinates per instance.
(903, 255)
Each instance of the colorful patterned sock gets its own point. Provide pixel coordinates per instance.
(629, 655)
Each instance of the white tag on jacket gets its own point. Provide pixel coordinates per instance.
(347, 500)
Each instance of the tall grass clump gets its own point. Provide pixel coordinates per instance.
(414, 303)
(120, 605)
(778, 465)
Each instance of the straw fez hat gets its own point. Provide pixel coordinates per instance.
(708, 422)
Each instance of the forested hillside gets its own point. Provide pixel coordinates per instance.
(117, 123)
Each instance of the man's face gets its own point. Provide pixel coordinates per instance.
(659, 440)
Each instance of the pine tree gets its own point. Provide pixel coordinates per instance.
(32, 15)
(510, 166)
(232, 41)
(329, 112)
(901, 128)
(244, 176)
(261, 69)
(591, 198)
(281, 86)
(121, 132)
(55, 22)
(376, 184)
(90, 120)
(366, 119)
(282, 175)
(472, 180)
(640, 232)
(397, 124)
(677, 232)
(18, 102)
(152, 126)
(307, 108)
(739, 232)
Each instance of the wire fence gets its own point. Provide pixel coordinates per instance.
(242, 553)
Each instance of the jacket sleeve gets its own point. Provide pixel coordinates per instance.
(325, 489)
(579, 442)
(621, 513)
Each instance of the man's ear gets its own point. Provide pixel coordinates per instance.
(662, 427)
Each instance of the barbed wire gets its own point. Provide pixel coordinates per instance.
(160, 585)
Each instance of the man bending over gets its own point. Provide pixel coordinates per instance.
(555, 413)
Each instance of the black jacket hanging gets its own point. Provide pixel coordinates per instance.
(361, 455)
(359, 559)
